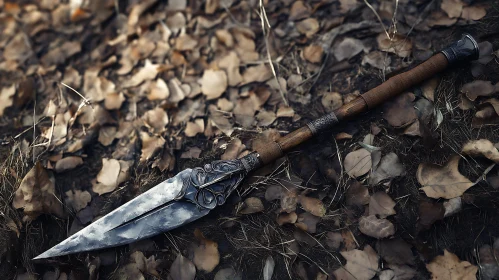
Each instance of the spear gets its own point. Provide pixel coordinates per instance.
(193, 193)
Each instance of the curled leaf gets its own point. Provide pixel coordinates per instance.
(443, 181)
(482, 147)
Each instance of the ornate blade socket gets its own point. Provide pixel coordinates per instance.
(465, 49)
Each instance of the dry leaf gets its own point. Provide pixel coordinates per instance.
(36, 194)
(150, 145)
(395, 251)
(361, 265)
(473, 13)
(331, 101)
(68, 163)
(185, 42)
(114, 100)
(219, 120)
(334, 240)
(7, 98)
(107, 135)
(348, 48)
(265, 118)
(398, 272)
(450, 267)
(357, 194)
(313, 53)
(307, 222)
(357, 163)
(259, 73)
(78, 199)
(482, 147)
(251, 205)
(268, 268)
(479, 88)
(389, 167)
(182, 269)
(157, 119)
(400, 112)
(453, 8)
(399, 44)
(206, 256)
(146, 73)
(213, 83)
(381, 205)
(107, 179)
(285, 112)
(374, 227)
(452, 206)
(428, 88)
(312, 205)
(177, 93)
(158, 90)
(308, 26)
(299, 10)
(234, 148)
(443, 181)
(228, 274)
(287, 218)
(377, 59)
(193, 128)
(231, 63)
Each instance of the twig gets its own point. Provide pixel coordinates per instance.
(265, 21)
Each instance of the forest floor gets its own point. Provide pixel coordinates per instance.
(102, 100)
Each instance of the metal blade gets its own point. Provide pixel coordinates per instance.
(188, 196)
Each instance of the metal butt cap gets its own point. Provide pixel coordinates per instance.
(463, 50)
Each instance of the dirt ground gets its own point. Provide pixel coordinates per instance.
(181, 117)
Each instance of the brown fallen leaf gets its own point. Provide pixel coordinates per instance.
(299, 10)
(78, 199)
(287, 218)
(36, 194)
(227, 274)
(195, 127)
(449, 267)
(361, 265)
(388, 168)
(313, 53)
(213, 83)
(251, 205)
(158, 90)
(59, 54)
(381, 205)
(374, 227)
(285, 112)
(308, 26)
(185, 42)
(429, 213)
(348, 48)
(398, 44)
(68, 163)
(206, 255)
(107, 179)
(307, 222)
(453, 8)
(114, 100)
(481, 147)
(479, 88)
(443, 181)
(234, 148)
(146, 73)
(332, 101)
(489, 268)
(265, 118)
(357, 194)
(400, 112)
(312, 205)
(259, 73)
(473, 13)
(107, 135)
(231, 63)
(398, 272)
(7, 98)
(395, 251)
(377, 59)
(334, 240)
(150, 145)
(357, 163)
(220, 121)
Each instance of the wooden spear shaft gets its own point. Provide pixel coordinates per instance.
(463, 50)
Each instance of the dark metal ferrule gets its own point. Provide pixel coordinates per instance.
(465, 49)
(251, 161)
(323, 123)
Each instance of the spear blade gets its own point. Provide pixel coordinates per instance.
(187, 196)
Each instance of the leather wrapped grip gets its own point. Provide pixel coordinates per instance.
(404, 81)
